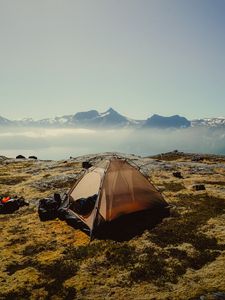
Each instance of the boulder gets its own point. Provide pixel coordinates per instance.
(86, 164)
(197, 158)
(32, 157)
(199, 187)
(212, 296)
(20, 157)
(177, 174)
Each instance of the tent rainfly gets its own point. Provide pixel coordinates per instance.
(116, 190)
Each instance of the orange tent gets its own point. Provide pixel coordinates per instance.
(120, 189)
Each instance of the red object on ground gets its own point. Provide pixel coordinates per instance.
(4, 200)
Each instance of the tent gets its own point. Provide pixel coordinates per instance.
(119, 192)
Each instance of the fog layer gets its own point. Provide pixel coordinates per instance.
(63, 143)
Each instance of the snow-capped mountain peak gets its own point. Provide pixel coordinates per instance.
(112, 119)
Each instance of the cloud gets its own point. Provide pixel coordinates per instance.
(44, 133)
(62, 143)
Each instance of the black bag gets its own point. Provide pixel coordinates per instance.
(12, 205)
(70, 218)
(84, 206)
(48, 208)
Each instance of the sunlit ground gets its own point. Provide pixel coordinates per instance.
(182, 258)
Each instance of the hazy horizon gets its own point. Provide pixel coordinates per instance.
(61, 143)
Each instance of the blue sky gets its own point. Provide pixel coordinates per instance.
(137, 56)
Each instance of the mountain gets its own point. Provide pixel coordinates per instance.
(113, 119)
(157, 121)
(85, 116)
(87, 119)
(110, 118)
(209, 122)
(4, 121)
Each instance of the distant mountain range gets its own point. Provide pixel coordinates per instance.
(113, 119)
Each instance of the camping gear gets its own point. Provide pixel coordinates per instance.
(5, 199)
(84, 206)
(8, 205)
(48, 208)
(125, 198)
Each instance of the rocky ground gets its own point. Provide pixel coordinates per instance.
(181, 258)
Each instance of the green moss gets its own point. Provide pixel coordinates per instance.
(120, 254)
(222, 183)
(18, 295)
(176, 231)
(83, 252)
(60, 269)
(20, 240)
(152, 267)
(173, 186)
(15, 266)
(12, 180)
(185, 228)
(36, 248)
(56, 273)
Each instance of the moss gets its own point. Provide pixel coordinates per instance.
(66, 266)
(60, 269)
(12, 180)
(173, 186)
(177, 253)
(177, 231)
(222, 183)
(84, 251)
(56, 288)
(21, 240)
(13, 267)
(156, 266)
(152, 267)
(202, 258)
(20, 284)
(56, 273)
(19, 295)
(120, 254)
(36, 248)
(17, 230)
(199, 209)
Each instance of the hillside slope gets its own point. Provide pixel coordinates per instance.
(181, 258)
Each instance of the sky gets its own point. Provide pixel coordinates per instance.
(141, 57)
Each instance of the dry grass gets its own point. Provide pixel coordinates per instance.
(181, 258)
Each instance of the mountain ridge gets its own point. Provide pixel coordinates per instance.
(112, 119)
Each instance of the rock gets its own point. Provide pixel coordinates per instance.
(213, 296)
(2, 158)
(20, 157)
(60, 182)
(197, 158)
(199, 187)
(177, 174)
(32, 157)
(86, 164)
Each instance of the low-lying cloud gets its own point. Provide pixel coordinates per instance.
(65, 142)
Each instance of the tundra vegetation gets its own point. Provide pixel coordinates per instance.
(183, 257)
